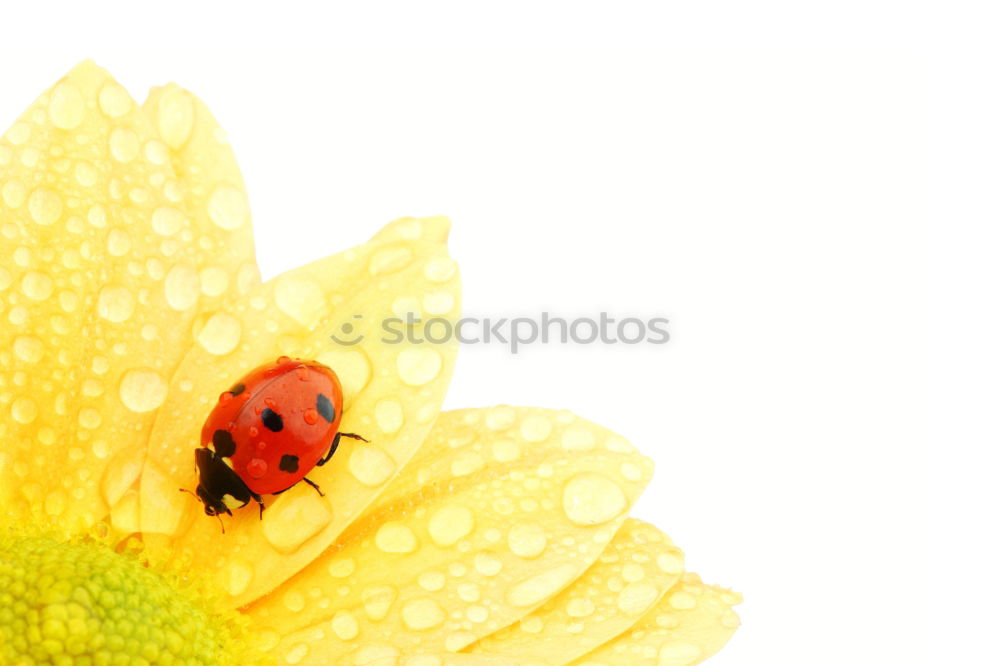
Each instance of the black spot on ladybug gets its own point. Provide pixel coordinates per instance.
(237, 389)
(271, 420)
(223, 442)
(325, 407)
(289, 464)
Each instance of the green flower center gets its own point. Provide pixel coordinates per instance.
(75, 603)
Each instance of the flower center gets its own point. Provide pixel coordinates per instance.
(82, 603)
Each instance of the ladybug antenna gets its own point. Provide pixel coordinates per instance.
(222, 524)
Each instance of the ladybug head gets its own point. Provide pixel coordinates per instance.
(219, 487)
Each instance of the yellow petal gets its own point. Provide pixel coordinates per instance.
(632, 574)
(103, 239)
(501, 509)
(392, 392)
(690, 624)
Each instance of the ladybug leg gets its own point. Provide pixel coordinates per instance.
(354, 436)
(260, 503)
(333, 449)
(321, 493)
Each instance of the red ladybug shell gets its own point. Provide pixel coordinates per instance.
(276, 423)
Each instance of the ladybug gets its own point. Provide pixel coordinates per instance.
(267, 432)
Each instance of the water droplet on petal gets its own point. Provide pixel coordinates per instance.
(538, 588)
(671, 563)
(377, 600)
(679, 654)
(24, 410)
(119, 243)
(683, 601)
(297, 653)
(526, 540)
(28, 348)
(236, 577)
(124, 145)
(300, 298)
(167, 220)
(439, 269)
(422, 614)
(389, 259)
(535, 428)
(418, 366)
(220, 334)
(578, 439)
(115, 303)
(182, 287)
(142, 390)
(345, 625)
(636, 598)
(228, 207)
(175, 117)
(294, 518)
(395, 537)
(66, 106)
(370, 465)
(591, 499)
(115, 102)
(37, 286)
(449, 524)
(214, 281)
(389, 415)
(352, 367)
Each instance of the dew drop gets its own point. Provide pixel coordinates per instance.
(352, 367)
(24, 410)
(422, 614)
(432, 581)
(115, 303)
(85, 174)
(181, 287)
(389, 259)
(176, 116)
(37, 286)
(538, 588)
(167, 220)
(395, 537)
(671, 563)
(236, 577)
(124, 145)
(370, 465)
(214, 281)
(487, 564)
(418, 366)
(13, 194)
(679, 654)
(142, 390)
(389, 415)
(342, 568)
(300, 298)
(294, 601)
(526, 540)
(345, 625)
(377, 600)
(578, 439)
(55, 503)
(228, 208)
(536, 428)
(449, 524)
(636, 598)
(590, 498)
(220, 334)
(45, 206)
(580, 607)
(439, 269)
(295, 518)
(28, 348)
(683, 601)
(439, 303)
(66, 106)
(115, 102)
(119, 243)
(89, 418)
(297, 653)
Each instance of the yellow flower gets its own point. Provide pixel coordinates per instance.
(130, 299)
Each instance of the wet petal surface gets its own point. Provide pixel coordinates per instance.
(690, 624)
(631, 575)
(497, 513)
(393, 388)
(106, 234)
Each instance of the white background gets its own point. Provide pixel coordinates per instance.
(807, 191)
